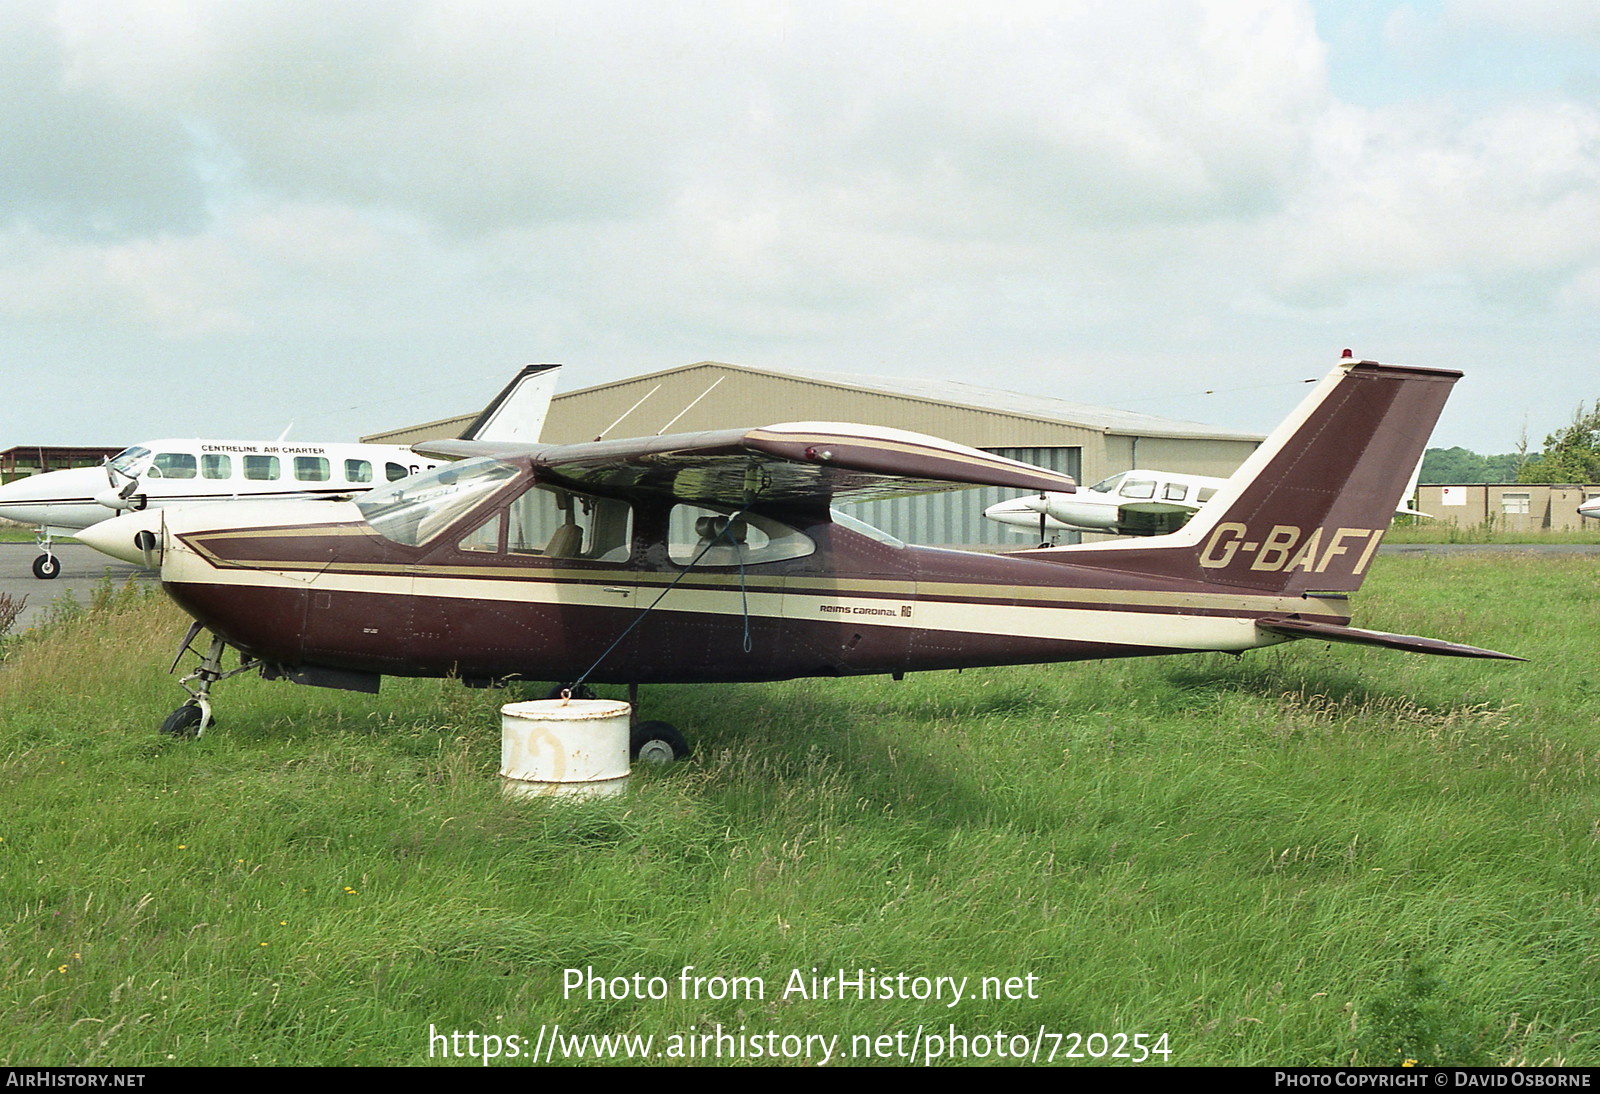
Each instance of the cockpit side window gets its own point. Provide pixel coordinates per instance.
(174, 465)
(488, 537)
(130, 460)
(557, 524)
(1138, 488)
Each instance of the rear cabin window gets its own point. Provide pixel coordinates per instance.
(311, 468)
(395, 471)
(174, 465)
(261, 468)
(698, 536)
(357, 470)
(214, 465)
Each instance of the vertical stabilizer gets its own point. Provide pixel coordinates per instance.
(517, 414)
(1307, 509)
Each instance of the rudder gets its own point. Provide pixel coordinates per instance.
(1306, 511)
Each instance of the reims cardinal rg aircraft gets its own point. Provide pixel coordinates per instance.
(717, 557)
(159, 474)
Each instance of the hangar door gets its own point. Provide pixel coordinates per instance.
(955, 518)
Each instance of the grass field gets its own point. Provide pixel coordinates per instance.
(1310, 855)
(1436, 531)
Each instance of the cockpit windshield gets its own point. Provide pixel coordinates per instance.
(130, 461)
(1109, 486)
(417, 508)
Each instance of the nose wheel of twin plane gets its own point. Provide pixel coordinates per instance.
(46, 567)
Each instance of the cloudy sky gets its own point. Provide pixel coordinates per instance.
(218, 217)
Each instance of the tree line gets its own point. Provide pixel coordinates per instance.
(1570, 454)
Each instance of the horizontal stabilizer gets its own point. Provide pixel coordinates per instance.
(1333, 632)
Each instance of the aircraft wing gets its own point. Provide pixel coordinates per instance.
(795, 462)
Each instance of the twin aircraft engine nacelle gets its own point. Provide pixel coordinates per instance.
(114, 499)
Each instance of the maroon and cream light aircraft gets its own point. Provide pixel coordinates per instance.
(718, 557)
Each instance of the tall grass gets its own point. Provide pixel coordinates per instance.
(1308, 855)
(1407, 530)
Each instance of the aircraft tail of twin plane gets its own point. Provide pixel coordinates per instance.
(517, 414)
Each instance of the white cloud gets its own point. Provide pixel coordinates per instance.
(172, 286)
(895, 186)
(1552, 19)
(1416, 191)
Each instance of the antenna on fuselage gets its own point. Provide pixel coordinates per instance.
(285, 434)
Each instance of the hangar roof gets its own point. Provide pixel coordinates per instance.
(947, 393)
(1040, 407)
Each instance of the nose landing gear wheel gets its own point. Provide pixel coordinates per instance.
(185, 721)
(46, 567)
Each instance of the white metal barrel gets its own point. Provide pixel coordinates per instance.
(571, 747)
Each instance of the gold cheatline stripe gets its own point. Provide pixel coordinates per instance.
(855, 588)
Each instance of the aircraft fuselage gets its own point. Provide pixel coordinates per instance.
(343, 597)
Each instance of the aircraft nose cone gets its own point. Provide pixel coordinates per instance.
(18, 499)
(119, 536)
(999, 510)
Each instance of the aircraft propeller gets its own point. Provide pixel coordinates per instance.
(118, 497)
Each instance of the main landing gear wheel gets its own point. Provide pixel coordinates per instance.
(46, 567)
(657, 743)
(185, 721)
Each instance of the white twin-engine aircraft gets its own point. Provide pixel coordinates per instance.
(165, 473)
(1130, 503)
